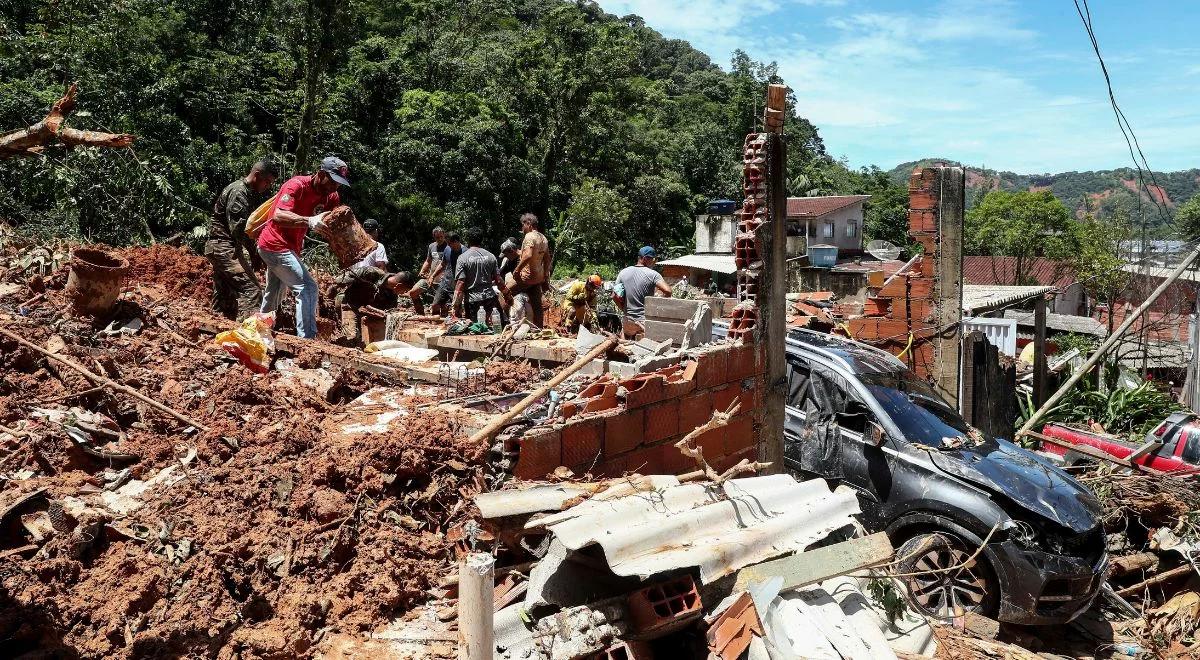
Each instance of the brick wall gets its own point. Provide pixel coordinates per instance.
(905, 305)
(618, 426)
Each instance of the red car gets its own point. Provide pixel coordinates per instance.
(1178, 433)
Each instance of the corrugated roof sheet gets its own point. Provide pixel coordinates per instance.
(720, 530)
(718, 263)
(1063, 322)
(815, 207)
(978, 299)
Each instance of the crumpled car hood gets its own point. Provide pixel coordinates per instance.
(1026, 479)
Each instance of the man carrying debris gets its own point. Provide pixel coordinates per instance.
(532, 273)
(376, 258)
(302, 204)
(634, 284)
(236, 292)
(444, 294)
(430, 269)
(580, 304)
(476, 278)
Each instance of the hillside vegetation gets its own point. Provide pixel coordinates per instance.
(1105, 193)
(459, 113)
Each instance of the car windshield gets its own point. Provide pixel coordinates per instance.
(916, 408)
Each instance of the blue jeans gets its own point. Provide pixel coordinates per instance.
(285, 269)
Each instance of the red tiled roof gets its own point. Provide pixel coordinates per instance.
(1001, 270)
(815, 207)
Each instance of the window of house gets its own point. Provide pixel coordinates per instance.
(851, 229)
(829, 230)
(812, 231)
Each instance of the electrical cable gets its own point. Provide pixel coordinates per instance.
(1131, 141)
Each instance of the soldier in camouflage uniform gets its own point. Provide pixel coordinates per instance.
(236, 292)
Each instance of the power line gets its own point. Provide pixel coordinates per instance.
(1131, 141)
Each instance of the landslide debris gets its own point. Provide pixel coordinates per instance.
(255, 539)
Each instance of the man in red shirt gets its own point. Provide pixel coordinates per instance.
(301, 205)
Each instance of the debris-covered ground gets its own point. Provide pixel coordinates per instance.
(127, 533)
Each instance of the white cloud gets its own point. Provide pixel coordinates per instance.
(963, 79)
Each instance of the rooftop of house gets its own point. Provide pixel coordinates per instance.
(1002, 270)
(815, 207)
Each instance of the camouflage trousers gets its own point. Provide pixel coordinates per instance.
(236, 293)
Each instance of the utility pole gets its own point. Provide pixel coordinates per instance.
(1108, 343)
(1191, 389)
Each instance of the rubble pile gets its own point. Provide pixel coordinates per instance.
(126, 532)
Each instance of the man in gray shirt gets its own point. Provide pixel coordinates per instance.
(634, 285)
(474, 276)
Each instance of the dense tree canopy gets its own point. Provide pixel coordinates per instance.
(1020, 224)
(460, 113)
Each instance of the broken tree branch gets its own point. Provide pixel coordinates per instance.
(107, 382)
(718, 420)
(1161, 577)
(30, 141)
(499, 422)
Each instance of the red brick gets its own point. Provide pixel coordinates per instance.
(739, 434)
(662, 421)
(928, 241)
(647, 460)
(712, 367)
(671, 460)
(875, 328)
(623, 431)
(742, 362)
(678, 388)
(920, 287)
(897, 288)
(540, 453)
(922, 199)
(570, 409)
(604, 386)
(615, 466)
(723, 397)
(602, 402)
(921, 221)
(729, 460)
(582, 442)
(925, 266)
(712, 443)
(666, 606)
(877, 306)
(625, 650)
(920, 310)
(644, 390)
(694, 410)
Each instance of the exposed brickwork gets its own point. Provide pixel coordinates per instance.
(656, 410)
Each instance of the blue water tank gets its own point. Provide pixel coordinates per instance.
(822, 256)
(722, 207)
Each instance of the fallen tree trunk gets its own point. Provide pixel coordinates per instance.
(30, 141)
(106, 382)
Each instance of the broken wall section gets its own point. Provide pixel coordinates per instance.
(625, 425)
(916, 313)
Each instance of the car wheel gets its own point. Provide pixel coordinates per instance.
(944, 593)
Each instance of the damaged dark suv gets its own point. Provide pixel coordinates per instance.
(940, 488)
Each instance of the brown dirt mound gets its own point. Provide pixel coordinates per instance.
(177, 270)
(280, 531)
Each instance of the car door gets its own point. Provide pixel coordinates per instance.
(825, 428)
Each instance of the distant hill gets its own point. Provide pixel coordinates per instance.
(1105, 191)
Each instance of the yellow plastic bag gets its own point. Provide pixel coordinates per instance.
(258, 219)
(251, 343)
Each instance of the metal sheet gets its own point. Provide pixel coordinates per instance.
(717, 529)
(986, 297)
(718, 263)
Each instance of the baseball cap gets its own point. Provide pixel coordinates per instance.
(370, 223)
(337, 169)
(647, 251)
(508, 245)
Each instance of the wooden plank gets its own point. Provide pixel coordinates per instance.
(1039, 351)
(1146, 448)
(805, 568)
(546, 350)
(1086, 450)
(671, 309)
(664, 331)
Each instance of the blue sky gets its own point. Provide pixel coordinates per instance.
(1009, 84)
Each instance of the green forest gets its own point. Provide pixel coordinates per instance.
(463, 113)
